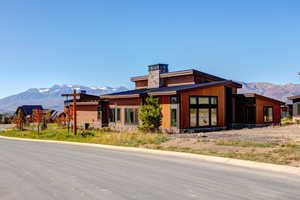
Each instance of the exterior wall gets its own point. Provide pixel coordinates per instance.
(180, 80)
(154, 79)
(87, 114)
(141, 84)
(260, 104)
(164, 102)
(125, 102)
(218, 91)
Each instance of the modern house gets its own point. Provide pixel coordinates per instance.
(295, 107)
(190, 100)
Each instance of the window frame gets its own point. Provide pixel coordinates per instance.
(135, 116)
(208, 106)
(174, 105)
(264, 111)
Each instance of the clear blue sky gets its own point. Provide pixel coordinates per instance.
(106, 42)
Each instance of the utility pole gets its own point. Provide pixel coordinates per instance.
(74, 95)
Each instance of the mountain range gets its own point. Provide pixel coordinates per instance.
(51, 97)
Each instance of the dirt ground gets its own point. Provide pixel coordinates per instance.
(278, 145)
(277, 134)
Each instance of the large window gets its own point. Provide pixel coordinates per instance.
(203, 111)
(174, 101)
(131, 116)
(99, 113)
(268, 114)
(114, 115)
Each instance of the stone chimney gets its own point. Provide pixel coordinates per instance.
(154, 80)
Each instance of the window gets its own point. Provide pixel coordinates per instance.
(203, 111)
(298, 109)
(131, 116)
(174, 102)
(99, 113)
(112, 115)
(268, 114)
(118, 114)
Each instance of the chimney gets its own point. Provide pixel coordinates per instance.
(154, 80)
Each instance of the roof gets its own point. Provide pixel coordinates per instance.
(261, 96)
(28, 109)
(294, 97)
(163, 90)
(179, 73)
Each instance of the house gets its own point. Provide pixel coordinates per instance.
(87, 109)
(27, 110)
(191, 101)
(295, 107)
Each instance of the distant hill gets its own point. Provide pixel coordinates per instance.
(49, 97)
(280, 92)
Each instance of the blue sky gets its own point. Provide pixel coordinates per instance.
(106, 42)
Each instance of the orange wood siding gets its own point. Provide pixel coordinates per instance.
(201, 79)
(125, 102)
(260, 104)
(141, 84)
(218, 91)
(164, 102)
(171, 81)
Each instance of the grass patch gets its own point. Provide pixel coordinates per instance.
(97, 137)
(240, 143)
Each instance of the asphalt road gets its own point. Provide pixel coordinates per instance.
(41, 171)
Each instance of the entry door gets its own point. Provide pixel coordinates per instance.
(251, 115)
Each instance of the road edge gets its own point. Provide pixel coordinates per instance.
(220, 160)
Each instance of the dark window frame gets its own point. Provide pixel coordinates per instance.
(198, 106)
(135, 116)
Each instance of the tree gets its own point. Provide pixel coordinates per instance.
(69, 117)
(37, 117)
(150, 115)
(20, 119)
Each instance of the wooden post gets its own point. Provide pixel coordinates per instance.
(75, 113)
(74, 95)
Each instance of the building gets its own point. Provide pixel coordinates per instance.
(27, 110)
(191, 101)
(295, 107)
(87, 109)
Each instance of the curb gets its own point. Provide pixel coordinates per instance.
(220, 160)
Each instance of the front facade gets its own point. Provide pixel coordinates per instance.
(191, 101)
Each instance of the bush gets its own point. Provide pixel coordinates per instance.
(150, 115)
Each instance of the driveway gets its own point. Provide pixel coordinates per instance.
(36, 170)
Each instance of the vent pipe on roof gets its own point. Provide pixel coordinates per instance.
(154, 80)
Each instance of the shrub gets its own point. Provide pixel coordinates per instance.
(150, 115)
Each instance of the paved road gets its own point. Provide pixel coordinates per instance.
(41, 171)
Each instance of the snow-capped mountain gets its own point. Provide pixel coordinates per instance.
(50, 97)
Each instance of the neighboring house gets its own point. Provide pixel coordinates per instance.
(287, 111)
(87, 109)
(57, 116)
(27, 110)
(191, 101)
(296, 107)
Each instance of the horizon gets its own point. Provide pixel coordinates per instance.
(87, 44)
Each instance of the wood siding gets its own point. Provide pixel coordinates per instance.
(141, 84)
(260, 104)
(218, 91)
(164, 102)
(126, 102)
(180, 80)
